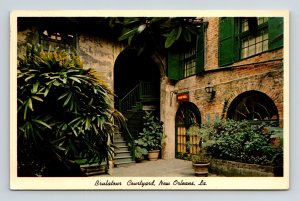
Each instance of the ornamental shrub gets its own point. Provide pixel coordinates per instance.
(241, 141)
(152, 136)
(65, 113)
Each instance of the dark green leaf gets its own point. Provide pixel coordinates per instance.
(87, 123)
(127, 34)
(28, 78)
(37, 98)
(68, 99)
(30, 104)
(179, 30)
(75, 79)
(187, 36)
(131, 20)
(25, 110)
(41, 123)
(59, 148)
(171, 38)
(63, 95)
(35, 87)
(130, 39)
(47, 91)
(58, 140)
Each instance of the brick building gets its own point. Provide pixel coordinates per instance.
(241, 62)
(233, 70)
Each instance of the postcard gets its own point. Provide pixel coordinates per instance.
(149, 100)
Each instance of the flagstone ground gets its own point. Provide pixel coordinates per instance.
(159, 168)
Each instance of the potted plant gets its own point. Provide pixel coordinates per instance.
(139, 153)
(201, 162)
(152, 136)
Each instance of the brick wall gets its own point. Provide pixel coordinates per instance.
(229, 83)
(211, 44)
(263, 73)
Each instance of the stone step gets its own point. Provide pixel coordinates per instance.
(123, 159)
(118, 138)
(149, 107)
(119, 143)
(121, 148)
(122, 154)
(122, 164)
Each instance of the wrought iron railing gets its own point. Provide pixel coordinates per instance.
(147, 90)
(143, 90)
(129, 140)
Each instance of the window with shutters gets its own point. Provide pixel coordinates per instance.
(227, 41)
(184, 62)
(241, 38)
(254, 36)
(189, 63)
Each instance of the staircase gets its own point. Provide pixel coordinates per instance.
(122, 153)
(142, 97)
(134, 122)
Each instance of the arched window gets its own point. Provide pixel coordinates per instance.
(187, 118)
(253, 106)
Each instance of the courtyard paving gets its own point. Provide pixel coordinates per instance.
(159, 168)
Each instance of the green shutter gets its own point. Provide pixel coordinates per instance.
(275, 32)
(174, 65)
(227, 47)
(200, 50)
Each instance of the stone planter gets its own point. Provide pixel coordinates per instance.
(201, 169)
(153, 155)
(238, 169)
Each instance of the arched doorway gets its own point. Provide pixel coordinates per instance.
(187, 117)
(130, 70)
(253, 106)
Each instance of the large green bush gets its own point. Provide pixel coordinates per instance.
(152, 136)
(241, 141)
(65, 113)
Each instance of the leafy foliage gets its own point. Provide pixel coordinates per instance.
(65, 113)
(241, 141)
(155, 33)
(204, 142)
(152, 136)
(139, 152)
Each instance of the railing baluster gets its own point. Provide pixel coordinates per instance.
(141, 90)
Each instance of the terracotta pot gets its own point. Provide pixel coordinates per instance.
(201, 168)
(153, 155)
